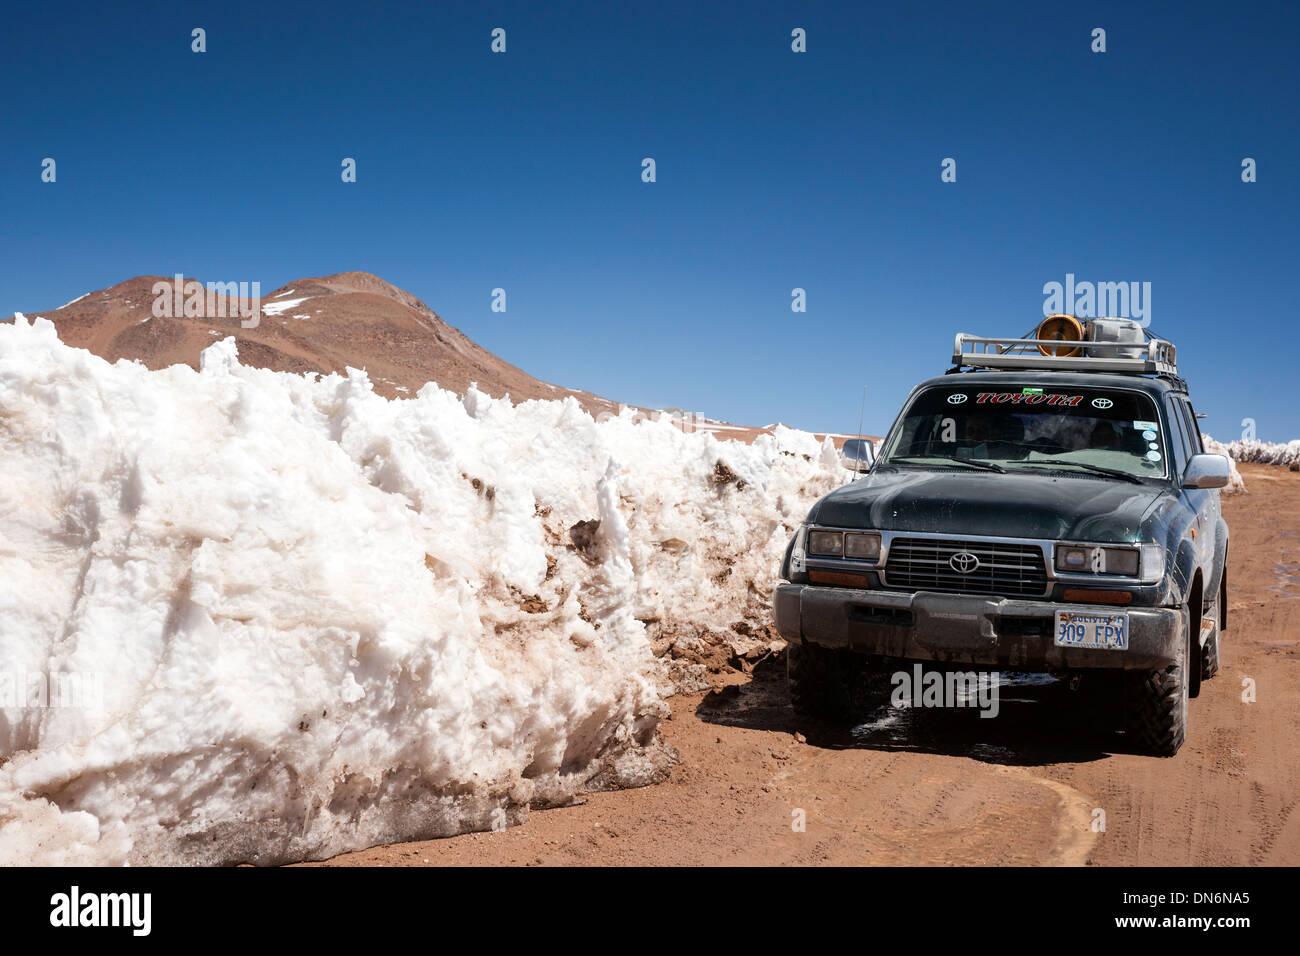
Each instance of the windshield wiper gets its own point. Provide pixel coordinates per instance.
(972, 462)
(1096, 469)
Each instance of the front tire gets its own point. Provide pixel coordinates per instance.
(819, 686)
(1155, 702)
(834, 685)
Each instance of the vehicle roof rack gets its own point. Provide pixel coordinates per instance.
(1154, 356)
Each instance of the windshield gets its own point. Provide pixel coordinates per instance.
(1021, 427)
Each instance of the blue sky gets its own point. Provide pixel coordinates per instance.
(775, 170)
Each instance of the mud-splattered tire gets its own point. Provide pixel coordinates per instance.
(1155, 703)
(835, 685)
(819, 684)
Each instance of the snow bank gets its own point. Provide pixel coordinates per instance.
(1253, 450)
(253, 616)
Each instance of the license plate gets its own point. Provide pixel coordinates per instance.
(1080, 629)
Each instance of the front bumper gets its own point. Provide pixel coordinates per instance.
(963, 628)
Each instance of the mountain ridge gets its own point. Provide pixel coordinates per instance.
(316, 324)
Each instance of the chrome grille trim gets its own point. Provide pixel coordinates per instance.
(1009, 569)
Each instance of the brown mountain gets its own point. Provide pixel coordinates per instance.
(321, 324)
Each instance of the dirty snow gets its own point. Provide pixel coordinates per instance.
(307, 619)
(1253, 450)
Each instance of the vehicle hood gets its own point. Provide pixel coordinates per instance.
(986, 503)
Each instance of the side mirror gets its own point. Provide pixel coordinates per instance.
(857, 454)
(1207, 471)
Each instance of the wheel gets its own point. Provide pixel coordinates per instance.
(1155, 702)
(833, 685)
(818, 684)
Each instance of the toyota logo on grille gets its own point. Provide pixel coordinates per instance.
(964, 562)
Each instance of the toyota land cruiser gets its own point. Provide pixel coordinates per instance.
(1046, 505)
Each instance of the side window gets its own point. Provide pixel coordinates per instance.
(1180, 443)
(1193, 427)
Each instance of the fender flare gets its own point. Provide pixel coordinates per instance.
(1184, 573)
(1220, 558)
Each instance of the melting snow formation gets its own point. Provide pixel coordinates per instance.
(248, 616)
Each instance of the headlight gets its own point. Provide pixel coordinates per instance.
(859, 545)
(826, 542)
(1073, 559)
(1091, 559)
(865, 546)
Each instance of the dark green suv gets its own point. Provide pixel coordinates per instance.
(1028, 511)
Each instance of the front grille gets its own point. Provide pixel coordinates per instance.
(924, 564)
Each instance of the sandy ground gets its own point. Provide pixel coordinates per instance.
(1024, 788)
